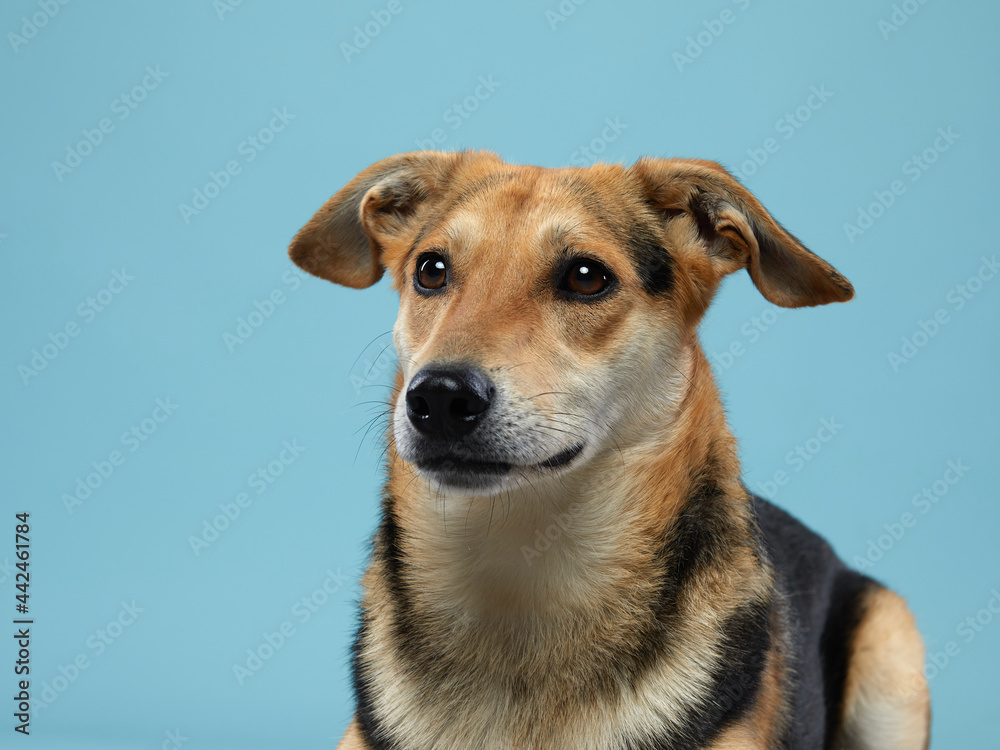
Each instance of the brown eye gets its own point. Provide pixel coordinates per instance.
(586, 277)
(432, 272)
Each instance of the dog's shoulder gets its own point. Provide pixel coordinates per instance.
(826, 603)
(814, 576)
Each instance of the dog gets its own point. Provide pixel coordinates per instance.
(567, 557)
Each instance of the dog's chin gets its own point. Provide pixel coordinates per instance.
(488, 477)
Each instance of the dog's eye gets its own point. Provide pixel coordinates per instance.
(586, 277)
(432, 272)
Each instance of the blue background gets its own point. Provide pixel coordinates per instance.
(314, 370)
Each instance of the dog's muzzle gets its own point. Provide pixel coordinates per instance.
(464, 436)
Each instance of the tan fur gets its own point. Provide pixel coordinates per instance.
(352, 739)
(627, 379)
(886, 697)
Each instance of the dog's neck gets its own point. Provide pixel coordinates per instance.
(562, 580)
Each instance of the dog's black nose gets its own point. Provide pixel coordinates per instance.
(448, 402)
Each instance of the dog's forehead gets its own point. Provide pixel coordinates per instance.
(514, 186)
(534, 204)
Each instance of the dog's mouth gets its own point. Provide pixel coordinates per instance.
(562, 458)
(452, 464)
(471, 473)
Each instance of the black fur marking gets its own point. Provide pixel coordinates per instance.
(698, 539)
(701, 538)
(387, 550)
(823, 599)
(406, 621)
(652, 261)
(736, 679)
(371, 731)
(847, 610)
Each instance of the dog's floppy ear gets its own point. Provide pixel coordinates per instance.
(782, 269)
(343, 241)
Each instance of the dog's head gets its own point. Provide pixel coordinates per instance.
(546, 315)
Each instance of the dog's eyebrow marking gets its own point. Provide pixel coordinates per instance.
(462, 227)
(560, 232)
